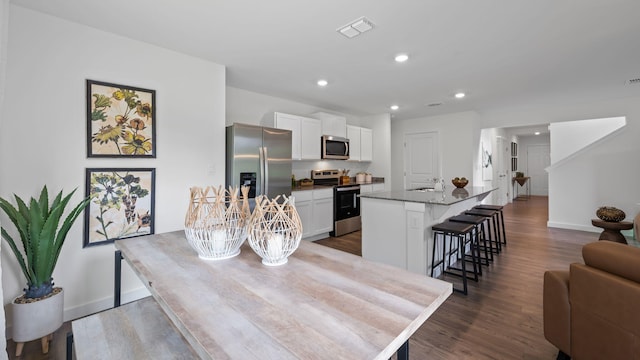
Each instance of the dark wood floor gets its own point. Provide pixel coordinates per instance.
(501, 318)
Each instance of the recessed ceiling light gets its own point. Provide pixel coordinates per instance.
(323, 82)
(536, 133)
(402, 58)
(459, 95)
(394, 107)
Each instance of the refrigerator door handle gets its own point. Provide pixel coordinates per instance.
(262, 170)
(265, 160)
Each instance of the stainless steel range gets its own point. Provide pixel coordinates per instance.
(346, 201)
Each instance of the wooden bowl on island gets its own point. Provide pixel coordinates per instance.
(460, 182)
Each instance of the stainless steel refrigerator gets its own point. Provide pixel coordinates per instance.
(260, 158)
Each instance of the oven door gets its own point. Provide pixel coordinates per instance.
(346, 202)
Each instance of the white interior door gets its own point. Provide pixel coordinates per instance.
(502, 165)
(538, 158)
(421, 159)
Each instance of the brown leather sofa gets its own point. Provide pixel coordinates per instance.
(592, 311)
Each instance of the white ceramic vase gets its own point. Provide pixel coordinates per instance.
(37, 319)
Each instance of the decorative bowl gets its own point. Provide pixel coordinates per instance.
(610, 214)
(460, 182)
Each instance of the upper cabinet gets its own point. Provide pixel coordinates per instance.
(360, 143)
(305, 135)
(335, 125)
(366, 144)
(311, 132)
(353, 134)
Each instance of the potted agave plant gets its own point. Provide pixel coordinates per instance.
(38, 313)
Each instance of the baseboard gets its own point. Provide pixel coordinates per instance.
(588, 228)
(317, 237)
(103, 304)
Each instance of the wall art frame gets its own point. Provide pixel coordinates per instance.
(122, 204)
(487, 161)
(121, 120)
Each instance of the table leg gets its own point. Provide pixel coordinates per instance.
(117, 287)
(403, 351)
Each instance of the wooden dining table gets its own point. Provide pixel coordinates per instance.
(322, 304)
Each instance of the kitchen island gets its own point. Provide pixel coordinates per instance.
(396, 225)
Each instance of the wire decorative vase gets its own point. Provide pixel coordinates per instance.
(216, 221)
(275, 229)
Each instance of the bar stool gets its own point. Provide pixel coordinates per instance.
(460, 231)
(479, 232)
(500, 218)
(492, 227)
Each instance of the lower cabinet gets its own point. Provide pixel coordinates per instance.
(315, 208)
(367, 188)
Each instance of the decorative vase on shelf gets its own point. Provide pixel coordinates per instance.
(216, 221)
(275, 229)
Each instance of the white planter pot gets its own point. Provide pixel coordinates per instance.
(37, 319)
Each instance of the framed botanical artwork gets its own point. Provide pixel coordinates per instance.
(121, 120)
(122, 204)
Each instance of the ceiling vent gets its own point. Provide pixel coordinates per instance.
(434, 104)
(635, 81)
(356, 27)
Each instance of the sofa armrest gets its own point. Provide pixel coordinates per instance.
(557, 310)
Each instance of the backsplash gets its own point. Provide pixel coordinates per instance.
(302, 169)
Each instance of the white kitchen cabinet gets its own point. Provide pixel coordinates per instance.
(323, 215)
(360, 143)
(310, 134)
(315, 208)
(377, 187)
(305, 134)
(290, 122)
(304, 206)
(332, 124)
(366, 144)
(353, 134)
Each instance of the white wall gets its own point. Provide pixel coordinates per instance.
(42, 137)
(253, 108)
(4, 30)
(458, 137)
(605, 174)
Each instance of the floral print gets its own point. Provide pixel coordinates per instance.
(121, 120)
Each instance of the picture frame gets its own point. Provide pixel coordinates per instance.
(487, 161)
(514, 149)
(121, 120)
(122, 204)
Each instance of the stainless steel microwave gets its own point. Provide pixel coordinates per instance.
(335, 147)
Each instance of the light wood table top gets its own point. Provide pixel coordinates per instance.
(322, 304)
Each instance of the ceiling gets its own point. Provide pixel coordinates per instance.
(501, 53)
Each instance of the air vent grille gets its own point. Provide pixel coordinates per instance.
(434, 104)
(635, 81)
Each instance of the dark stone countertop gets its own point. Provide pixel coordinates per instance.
(447, 197)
